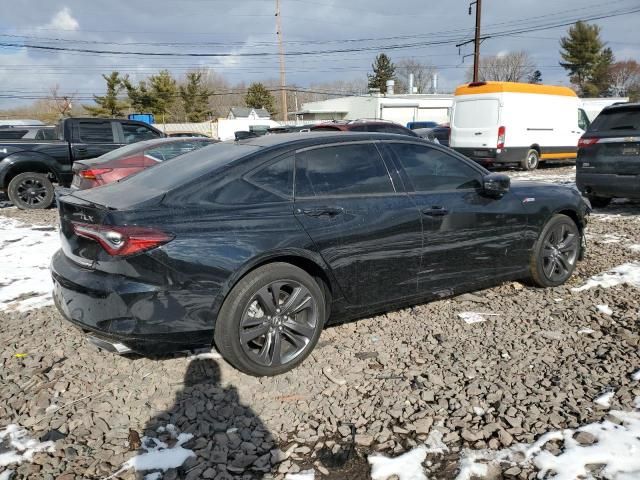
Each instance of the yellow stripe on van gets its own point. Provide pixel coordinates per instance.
(552, 156)
(502, 87)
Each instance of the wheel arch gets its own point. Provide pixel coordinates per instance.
(15, 165)
(536, 147)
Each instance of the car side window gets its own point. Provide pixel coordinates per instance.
(583, 119)
(276, 177)
(136, 133)
(353, 169)
(396, 130)
(95, 132)
(361, 128)
(430, 169)
(167, 152)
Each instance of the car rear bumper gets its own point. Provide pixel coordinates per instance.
(118, 311)
(608, 185)
(490, 156)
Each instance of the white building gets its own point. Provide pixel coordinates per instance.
(401, 109)
(248, 113)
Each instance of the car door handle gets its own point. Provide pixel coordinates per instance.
(435, 211)
(319, 211)
(81, 150)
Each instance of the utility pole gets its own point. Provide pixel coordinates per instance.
(476, 41)
(283, 82)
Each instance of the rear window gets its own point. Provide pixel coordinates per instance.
(476, 113)
(95, 132)
(622, 119)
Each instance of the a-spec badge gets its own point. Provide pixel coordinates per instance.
(528, 200)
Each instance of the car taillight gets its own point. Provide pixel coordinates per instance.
(501, 135)
(94, 173)
(122, 240)
(586, 142)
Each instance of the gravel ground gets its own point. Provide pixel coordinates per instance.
(381, 384)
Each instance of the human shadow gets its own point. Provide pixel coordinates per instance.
(207, 432)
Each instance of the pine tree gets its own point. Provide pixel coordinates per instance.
(195, 97)
(109, 105)
(157, 95)
(535, 77)
(259, 97)
(586, 59)
(383, 70)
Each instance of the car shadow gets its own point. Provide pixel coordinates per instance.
(206, 433)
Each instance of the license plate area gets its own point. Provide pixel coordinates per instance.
(631, 150)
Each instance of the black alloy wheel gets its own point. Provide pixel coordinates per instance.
(31, 191)
(556, 252)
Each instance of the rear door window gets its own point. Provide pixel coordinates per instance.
(95, 132)
(354, 169)
(476, 113)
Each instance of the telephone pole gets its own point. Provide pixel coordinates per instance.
(476, 41)
(283, 82)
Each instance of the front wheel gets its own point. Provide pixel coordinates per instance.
(556, 252)
(271, 320)
(531, 161)
(31, 191)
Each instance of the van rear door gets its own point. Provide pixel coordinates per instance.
(474, 123)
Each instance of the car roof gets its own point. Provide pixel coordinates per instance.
(622, 106)
(315, 137)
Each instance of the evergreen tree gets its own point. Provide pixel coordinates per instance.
(259, 97)
(109, 105)
(157, 95)
(535, 77)
(195, 97)
(383, 70)
(585, 59)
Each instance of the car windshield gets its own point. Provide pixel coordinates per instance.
(621, 119)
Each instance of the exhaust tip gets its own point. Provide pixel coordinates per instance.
(113, 347)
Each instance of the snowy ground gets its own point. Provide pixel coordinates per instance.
(510, 382)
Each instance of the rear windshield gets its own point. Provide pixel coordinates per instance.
(476, 113)
(622, 119)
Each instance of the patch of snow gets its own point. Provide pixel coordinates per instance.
(18, 446)
(604, 399)
(51, 408)
(604, 309)
(407, 466)
(25, 253)
(586, 330)
(635, 247)
(6, 475)
(212, 355)
(635, 375)
(478, 411)
(303, 475)
(628, 273)
(158, 455)
(475, 317)
(434, 442)
(153, 476)
(609, 238)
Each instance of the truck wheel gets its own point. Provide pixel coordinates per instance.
(29, 191)
(531, 161)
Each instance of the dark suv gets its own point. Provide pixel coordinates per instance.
(608, 163)
(374, 126)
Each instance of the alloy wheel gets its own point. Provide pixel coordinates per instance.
(32, 191)
(279, 322)
(560, 252)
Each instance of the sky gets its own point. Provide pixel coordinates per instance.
(242, 34)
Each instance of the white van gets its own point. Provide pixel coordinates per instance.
(522, 123)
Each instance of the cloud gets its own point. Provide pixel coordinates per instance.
(63, 20)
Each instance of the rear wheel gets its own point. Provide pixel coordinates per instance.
(531, 161)
(271, 320)
(556, 252)
(31, 191)
(599, 202)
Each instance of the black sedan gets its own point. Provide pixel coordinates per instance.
(255, 245)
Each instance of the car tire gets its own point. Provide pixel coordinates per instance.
(556, 252)
(531, 161)
(599, 202)
(30, 191)
(261, 337)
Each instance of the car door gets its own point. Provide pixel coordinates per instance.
(93, 138)
(360, 219)
(468, 237)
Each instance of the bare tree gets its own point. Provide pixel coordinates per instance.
(422, 75)
(625, 78)
(511, 67)
(62, 103)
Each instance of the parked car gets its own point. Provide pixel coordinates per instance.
(608, 164)
(416, 125)
(516, 123)
(377, 126)
(28, 133)
(125, 161)
(439, 134)
(214, 247)
(187, 134)
(28, 169)
(290, 128)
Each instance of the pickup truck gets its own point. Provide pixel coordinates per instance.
(29, 168)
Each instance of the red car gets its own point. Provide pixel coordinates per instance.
(125, 161)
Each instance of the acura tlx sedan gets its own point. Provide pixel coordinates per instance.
(253, 246)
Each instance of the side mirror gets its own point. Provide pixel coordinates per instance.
(495, 184)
